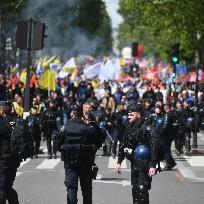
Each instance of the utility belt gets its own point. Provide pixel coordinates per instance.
(140, 165)
(175, 125)
(75, 152)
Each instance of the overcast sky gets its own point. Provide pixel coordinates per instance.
(112, 7)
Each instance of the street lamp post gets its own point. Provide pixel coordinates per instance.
(29, 61)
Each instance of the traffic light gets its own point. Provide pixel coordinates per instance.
(175, 53)
(135, 49)
(38, 35)
(22, 35)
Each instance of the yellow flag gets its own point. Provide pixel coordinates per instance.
(44, 59)
(14, 70)
(56, 61)
(22, 77)
(52, 83)
(18, 109)
(47, 63)
(47, 80)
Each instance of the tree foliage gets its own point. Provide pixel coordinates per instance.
(160, 23)
(10, 7)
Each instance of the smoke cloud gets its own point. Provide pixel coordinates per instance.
(63, 38)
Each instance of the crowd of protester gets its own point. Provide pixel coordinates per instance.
(109, 101)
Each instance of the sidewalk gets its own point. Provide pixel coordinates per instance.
(192, 167)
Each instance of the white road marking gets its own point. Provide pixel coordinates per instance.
(188, 174)
(18, 173)
(24, 162)
(99, 176)
(48, 164)
(112, 163)
(195, 160)
(123, 182)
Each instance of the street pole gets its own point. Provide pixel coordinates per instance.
(194, 145)
(174, 80)
(29, 61)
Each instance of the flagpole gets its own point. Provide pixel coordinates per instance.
(49, 84)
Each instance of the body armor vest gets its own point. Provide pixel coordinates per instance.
(78, 143)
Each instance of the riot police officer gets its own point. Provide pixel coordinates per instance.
(139, 133)
(169, 134)
(49, 126)
(78, 145)
(120, 119)
(157, 119)
(186, 122)
(9, 162)
(179, 137)
(147, 108)
(34, 128)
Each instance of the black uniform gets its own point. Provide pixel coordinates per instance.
(34, 128)
(186, 127)
(49, 128)
(179, 137)
(8, 164)
(139, 133)
(79, 145)
(120, 120)
(157, 121)
(169, 134)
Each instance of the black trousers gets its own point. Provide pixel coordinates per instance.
(37, 140)
(141, 184)
(8, 171)
(83, 172)
(52, 149)
(116, 135)
(167, 150)
(179, 141)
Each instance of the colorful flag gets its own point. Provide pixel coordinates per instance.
(92, 71)
(18, 109)
(22, 77)
(49, 61)
(39, 68)
(47, 80)
(70, 64)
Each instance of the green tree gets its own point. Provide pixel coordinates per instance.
(164, 22)
(8, 10)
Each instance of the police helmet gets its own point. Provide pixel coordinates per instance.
(160, 122)
(142, 152)
(77, 110)
(102, 125)
(190, 121)
(135, 108)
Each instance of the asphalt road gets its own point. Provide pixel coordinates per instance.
(40, 181)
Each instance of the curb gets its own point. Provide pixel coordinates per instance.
(188, 174)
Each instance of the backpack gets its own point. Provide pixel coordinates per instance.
(22, 143)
